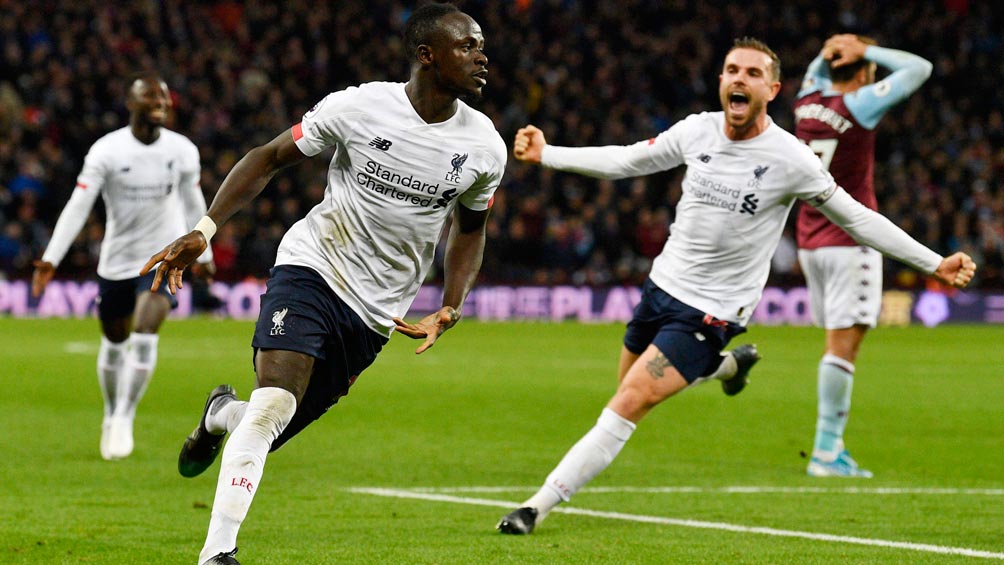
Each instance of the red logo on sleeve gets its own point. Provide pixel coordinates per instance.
(297, 132)
(81, 185)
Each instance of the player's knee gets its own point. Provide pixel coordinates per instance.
(269, 411)
(633, 402)
(286, 370)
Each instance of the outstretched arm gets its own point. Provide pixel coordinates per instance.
(607, 162)
(464, 251)
(246, 181)
(875, 230)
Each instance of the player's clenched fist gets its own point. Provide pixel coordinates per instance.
(956, 270)
(528, 144)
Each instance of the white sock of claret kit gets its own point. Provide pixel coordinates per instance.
(586, 459)
(268, 412)
(836, 380)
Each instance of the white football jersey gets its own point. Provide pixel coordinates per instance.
(151, 194)
(392, 183)
(736, 198)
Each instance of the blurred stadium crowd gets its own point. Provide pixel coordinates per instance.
(587, 72)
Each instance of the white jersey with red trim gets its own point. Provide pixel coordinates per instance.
(151, 194)
(393, 182)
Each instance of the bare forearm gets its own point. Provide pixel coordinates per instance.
(250, 175)
(243, 184)
(464, 252)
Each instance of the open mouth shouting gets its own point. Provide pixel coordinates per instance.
(738, 102)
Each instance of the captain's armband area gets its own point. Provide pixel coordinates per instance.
(821, 198)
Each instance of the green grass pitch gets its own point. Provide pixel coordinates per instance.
(458, 434)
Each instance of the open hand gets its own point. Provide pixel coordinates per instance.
(429, 327)
(173, 259)
(844, 49)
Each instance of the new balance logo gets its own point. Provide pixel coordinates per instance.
(277, 323)
(704, 157)
(749, 204)
(381, 143)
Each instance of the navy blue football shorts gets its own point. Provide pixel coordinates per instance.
(300, 312)
(690, 339)
(117, 299)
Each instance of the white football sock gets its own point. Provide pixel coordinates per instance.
(592, 454)
(224, 420)
(835, 381)
(268, 412)
(726, 369)
(111, 358)
(139, 365)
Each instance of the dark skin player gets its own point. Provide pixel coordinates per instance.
(451, 66)
(149, 104)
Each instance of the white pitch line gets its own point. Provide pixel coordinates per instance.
(83, 347)
(396, 493)
(734, 490)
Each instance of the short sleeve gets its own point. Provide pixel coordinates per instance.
(320, 127)
(481, 194)
(191, 162)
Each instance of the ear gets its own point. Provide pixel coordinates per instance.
(863, 74)
(424, 54)
(775, 87)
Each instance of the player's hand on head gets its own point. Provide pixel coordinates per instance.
(844, 49)
(956, 270)
(529, 144)
(428, 328)
(173, 259)
(41, 276)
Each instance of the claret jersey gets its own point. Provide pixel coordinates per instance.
(392, 183)
(840, 129)
(847, 150)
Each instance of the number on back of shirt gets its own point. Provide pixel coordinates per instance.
(824, 149)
